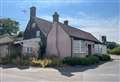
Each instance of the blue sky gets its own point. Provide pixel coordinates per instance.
(99, 17)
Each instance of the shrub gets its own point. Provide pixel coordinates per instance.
(5, 60)
(115, 51)
(103, 57)
(92, 59)
(81, 61)
(42, 62)
(71, 60)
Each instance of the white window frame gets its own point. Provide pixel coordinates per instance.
(29, 49)
(33, 25)
(37, 33)
(79, 46)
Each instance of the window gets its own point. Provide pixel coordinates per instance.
(83, 50)
(33, 25)
(79, 46)
(38, 33)
(29, 50)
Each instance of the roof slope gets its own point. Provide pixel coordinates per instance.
(6, 39)
(45, 26)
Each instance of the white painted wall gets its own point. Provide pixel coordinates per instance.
(80, 48)
(101, 49)
(30, 43)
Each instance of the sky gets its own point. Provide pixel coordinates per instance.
(99, 17)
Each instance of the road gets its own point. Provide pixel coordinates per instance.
(106, 72)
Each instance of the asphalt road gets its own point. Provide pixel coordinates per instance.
(106, 72)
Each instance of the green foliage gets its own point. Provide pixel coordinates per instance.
(111, 45)
(4, 60)
(115, 51)
(88, 60)
(25, 60)
(103, 57)
(81, 61)
(71, 60)
(20, 34)
(42, 45)
(9, 26)
(16, 60)
(92, 59)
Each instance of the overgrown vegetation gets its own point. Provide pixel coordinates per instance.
(45, 62)
(55, 61)
(91, 59)
(103, 57)
(115, 51)
(16, 60)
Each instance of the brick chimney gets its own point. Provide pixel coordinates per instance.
(55, 17)
(66, 22)
(32, 12)
(104, 39)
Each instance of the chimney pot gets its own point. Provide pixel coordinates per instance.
(104, 39)
(55, 17)
(66, 22)
(32, 12)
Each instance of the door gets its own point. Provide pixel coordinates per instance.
(89, 50)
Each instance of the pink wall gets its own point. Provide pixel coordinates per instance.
(58, 42)
(64, 42)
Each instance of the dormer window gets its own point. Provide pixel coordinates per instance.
(33, 25)
(38, 33)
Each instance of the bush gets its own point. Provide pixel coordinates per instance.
(92, 59)
(47, 61)
(103, 57)
(71, 60)
(5, 60)
(115, 51)
(81, 61)
(42, 62)
(55, 62)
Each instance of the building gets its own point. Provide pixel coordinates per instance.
(56, 38)
(7, 46)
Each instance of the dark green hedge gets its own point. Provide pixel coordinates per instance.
(91, 59)
(80, 61)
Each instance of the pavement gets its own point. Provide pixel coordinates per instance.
(104, 72)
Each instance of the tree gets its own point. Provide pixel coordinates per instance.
(112, 45)
(20, 34)
(9, 26)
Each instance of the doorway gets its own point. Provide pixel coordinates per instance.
(89, 50)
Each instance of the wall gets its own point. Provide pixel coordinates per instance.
(3, 50)
(31, 43)
(58, 42)
(82, 52)
(100, 49)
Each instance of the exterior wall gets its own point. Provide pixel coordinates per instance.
(31, 43)
(92, 46)
(100, 49)
(3, 50)
(58, 42)
(84, 51)
(51, 42)
(64, 43)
